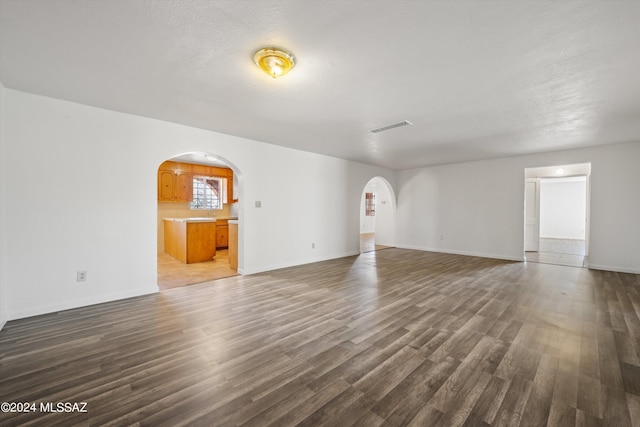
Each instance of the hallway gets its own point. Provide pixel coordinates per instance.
(567, 252)
(368, 243)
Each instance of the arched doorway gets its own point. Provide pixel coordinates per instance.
(197, 219)
(377, 215)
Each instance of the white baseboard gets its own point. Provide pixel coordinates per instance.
(465, 253)
(3, 322)
(612, 268)
(512, 258)
(82, 302)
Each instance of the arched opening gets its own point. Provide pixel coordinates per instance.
(377, 216)
(198, 219)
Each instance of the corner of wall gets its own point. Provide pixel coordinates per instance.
(80, 302)
(614, 268)
(3, 222)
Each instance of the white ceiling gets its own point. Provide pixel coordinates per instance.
(478, 79)
(200, 159)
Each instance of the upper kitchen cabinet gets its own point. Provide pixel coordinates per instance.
(175, 182)
(184, 188)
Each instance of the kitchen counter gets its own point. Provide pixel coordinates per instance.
(198, 219)
(202, 219)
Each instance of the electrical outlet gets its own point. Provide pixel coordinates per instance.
(258, 204)
(313, 246)
(81, 276)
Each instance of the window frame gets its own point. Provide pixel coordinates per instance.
(200, 200)
(370, 204)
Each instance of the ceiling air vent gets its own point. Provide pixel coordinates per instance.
(395, 125)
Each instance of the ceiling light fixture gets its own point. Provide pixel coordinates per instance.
(274, 61)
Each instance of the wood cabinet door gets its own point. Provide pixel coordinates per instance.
(184, 188)
(166, 185)
(222, 236)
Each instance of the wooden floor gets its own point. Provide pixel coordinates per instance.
(173, 273)
(368, 243)
(393, 337)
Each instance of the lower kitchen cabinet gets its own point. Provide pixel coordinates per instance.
(222, 234)
(190, 241)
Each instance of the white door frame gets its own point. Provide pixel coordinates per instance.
(587, 230)
(532, 223)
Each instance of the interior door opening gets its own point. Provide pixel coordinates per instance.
(198, 220)
(557, 214)
(377, 216)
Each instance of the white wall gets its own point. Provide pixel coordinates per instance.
(97, 210)
(563, 212)
(3, 214)
(385, 213)
(476, 208)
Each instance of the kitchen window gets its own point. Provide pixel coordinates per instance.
(209, 192)
(370, 204)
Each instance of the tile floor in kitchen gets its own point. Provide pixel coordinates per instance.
(173, 273)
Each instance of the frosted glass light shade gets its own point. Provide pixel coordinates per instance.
(273, 61)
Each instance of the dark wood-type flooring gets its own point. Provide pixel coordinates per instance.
(394, 337)
(368, 243)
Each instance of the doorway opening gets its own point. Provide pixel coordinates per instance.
(197, 220)
(557, 214)
(377, 216)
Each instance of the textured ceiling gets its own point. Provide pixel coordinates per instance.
(478, 79)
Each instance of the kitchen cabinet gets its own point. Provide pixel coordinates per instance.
(175, 182)
(166, 186)
(190, 240)
(222, 234)
(184, 190)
